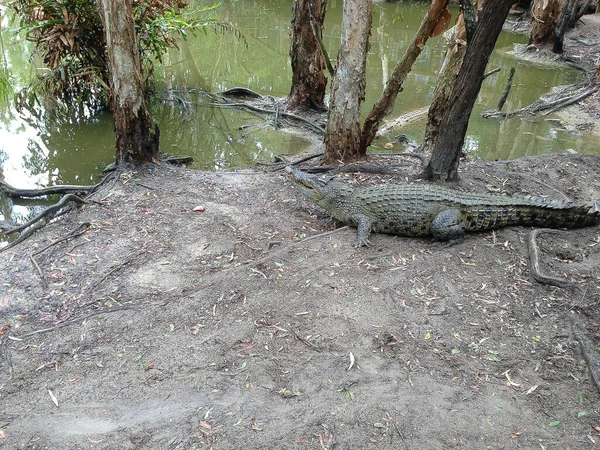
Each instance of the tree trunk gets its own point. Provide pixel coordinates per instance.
(342, 135)
(456, 41)
(453, 127)
(544, 17)
(136, 134)
(566, 21)
(308, 63)
(435, 21)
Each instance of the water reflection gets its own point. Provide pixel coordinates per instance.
(72, 150)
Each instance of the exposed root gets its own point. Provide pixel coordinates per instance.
(49, 213)
(535, 262)
(590, 354)
(60, 189)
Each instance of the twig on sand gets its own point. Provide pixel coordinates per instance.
(69, 322)
(71, 234)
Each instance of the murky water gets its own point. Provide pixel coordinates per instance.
(46, 152)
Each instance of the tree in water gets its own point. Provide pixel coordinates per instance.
(345, 109)
(70, 37)
(343, 131)
(453, 126)
(308, 61)
(137, 135)
(544, 18)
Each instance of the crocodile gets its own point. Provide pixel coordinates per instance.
(422, 209)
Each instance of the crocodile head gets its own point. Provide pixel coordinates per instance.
(333, 196)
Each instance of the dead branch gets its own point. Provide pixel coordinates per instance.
(310, 124)
(504, 96)
(542, 105)
(114, 269)
(491, 72)
(324, 53)
(535, 262)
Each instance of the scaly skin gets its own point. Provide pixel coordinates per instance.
(421, 209)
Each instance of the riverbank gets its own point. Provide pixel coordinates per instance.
(206, 310)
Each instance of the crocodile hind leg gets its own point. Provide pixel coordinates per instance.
(446, 226)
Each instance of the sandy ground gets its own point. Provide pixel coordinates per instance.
(225, 311)
(254, 324)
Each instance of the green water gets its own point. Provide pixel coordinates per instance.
(36, 153)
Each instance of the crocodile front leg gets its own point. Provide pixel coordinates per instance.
(363, 224)
(446, 226)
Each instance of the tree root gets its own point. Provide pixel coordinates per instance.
(590, 354)
(69, 322)
(39, 221)
(60, 189)
(535, 262)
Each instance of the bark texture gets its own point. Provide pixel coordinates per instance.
(435, 22)
(136, 134)
(342, 135)
(544, 18)
(308, 65)
(453, 127)
(457, 45)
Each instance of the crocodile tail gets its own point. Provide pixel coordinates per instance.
(570, 217)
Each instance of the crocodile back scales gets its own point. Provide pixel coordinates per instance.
(409, 209)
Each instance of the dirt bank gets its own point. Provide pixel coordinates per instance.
(253, 325)
(225, 311)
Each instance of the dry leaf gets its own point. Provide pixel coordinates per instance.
(351, 361)
(53, 397)
(204, 424)
(531, 389)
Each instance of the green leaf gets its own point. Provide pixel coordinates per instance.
(581, 414)
(554, 424)
(455, 351)
(398, 17)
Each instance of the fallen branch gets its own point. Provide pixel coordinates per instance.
(286, 115)
(570, 101)
(535, 262)
(541, 105)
